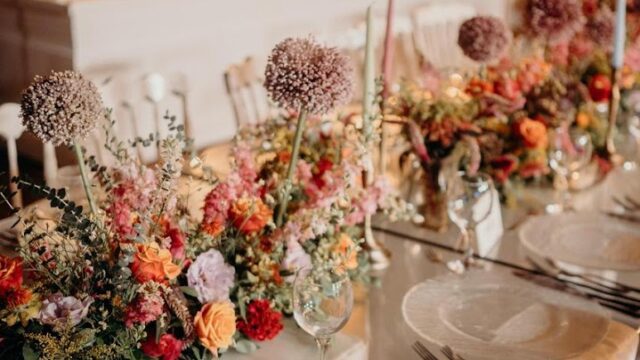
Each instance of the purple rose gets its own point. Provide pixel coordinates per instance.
(211, 277)
(61, 311)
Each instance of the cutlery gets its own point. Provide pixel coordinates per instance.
(602, 289)
(423, 352)
(627, 203)
(610, 303)
(448, 352)
(623, 216)
(595, 279)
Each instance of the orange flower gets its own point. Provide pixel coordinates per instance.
(583, 120)
(10, 274)
(347, 250)
(151, 263)
(18, 297)
(533, 133)
(250, 215)
(215, 325)
(213, 228)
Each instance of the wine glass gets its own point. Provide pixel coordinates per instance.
(570, 151)
(322, 303)
(470, 200)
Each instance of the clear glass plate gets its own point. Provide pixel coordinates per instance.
(590, 240)
(487, 315)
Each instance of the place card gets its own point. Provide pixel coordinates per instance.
(490, 230)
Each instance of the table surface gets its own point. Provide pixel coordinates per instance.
(377, 319)
(390, 336)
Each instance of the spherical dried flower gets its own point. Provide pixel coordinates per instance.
(61, 107)
(600, 27)
(555, 20)
(301, 73)
(483, 38)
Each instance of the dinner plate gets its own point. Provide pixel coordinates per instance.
(587, 239)
(487, 315)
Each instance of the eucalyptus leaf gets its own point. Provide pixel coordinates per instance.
(28, 353)
(187, 290)
(245, 346)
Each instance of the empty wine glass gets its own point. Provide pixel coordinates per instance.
(322, 303)
(570, 151)
(470, 200)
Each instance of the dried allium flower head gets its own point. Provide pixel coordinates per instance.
(61, 107)
(555, 20)
(600, 27)
(483, 38)
(303, 73)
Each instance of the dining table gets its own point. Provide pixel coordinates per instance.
(377, 329)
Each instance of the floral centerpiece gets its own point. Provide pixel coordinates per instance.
(137, 276)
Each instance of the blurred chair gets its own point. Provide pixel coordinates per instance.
(246, 93)
(11, 129)
(436, 33)
(139, 101)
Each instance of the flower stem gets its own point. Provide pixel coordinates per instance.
(85, 180)
(302, 118)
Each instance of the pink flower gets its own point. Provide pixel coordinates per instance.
(295, 258)
(147, 307)
(632, 56)
(211, 277)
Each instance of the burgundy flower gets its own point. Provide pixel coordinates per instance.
(262, 322)
(503, 166)
(555, 20)
(600, 26)
(483, 38)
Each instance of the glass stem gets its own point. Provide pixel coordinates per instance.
(566, 200)
(470, 237)
(85, 180)
(323, 345)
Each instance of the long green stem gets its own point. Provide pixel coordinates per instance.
(85, 180)
(295, 152)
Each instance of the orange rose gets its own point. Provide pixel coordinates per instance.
(10, 274)
(151, 263)
(533, 133)
(250, 215)
(215, 325)
(347, 250)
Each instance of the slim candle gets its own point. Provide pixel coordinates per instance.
(387, 55)
(369, 78)
(620, 34)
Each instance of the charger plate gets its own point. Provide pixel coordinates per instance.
(587, 239)
(487, 315)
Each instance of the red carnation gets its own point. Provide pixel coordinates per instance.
(177, 241)
(262, 322)
(10, 274)
(168, 347)
(323, 166)
(600, 88)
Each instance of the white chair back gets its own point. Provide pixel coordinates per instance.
(11, 129)
(436, 33)
(244, 88)
(139, 100)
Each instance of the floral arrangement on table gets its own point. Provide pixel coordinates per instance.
(557, 74)
(136, 276)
